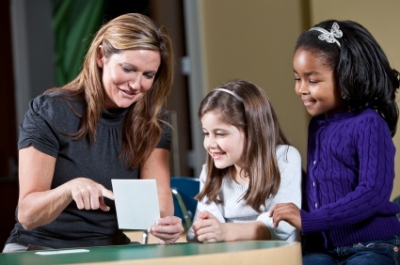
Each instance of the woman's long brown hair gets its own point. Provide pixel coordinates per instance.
(142, 126)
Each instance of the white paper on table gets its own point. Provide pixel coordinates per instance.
(136, 202)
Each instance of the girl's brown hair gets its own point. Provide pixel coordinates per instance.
(253, 115)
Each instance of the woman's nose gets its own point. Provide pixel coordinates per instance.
(134, 83)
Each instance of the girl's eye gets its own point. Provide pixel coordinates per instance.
(312, 81)
(220, 134)
(205, 133)
(297, 79)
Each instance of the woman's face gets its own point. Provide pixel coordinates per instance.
(127, 76)
(315, 83)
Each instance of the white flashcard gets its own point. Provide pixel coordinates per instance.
(136, 202)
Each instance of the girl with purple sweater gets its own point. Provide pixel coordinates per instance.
(346, 83)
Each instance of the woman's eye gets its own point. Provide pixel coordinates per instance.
(149, 76)
(127, 69)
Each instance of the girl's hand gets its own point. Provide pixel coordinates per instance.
(167, 229)
(208, 228)
(89, 195)
(286, 212)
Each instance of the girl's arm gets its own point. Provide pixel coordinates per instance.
(209, 229)
(286, 203)
(286, 212)
(363, 192)
(209, 224)
(202, 205)
(38, 204)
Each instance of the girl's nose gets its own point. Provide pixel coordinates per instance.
(302, 89)
(209, 142)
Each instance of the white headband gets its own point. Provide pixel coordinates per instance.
(331, 36)
(229, 92)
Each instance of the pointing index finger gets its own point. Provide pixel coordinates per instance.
(107, 193)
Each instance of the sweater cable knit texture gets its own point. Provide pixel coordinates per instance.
(349, 180)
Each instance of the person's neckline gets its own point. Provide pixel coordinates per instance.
(113, 116)
(338, 116)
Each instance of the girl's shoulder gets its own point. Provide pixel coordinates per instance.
(203, 173)
(287, 151)
(368, 113)
(367, 118)
(352, 116)
(288, 158)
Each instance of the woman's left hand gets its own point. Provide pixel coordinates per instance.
(168, 229)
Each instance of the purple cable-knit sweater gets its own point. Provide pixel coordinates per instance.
(350, 173)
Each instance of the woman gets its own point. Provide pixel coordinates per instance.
(106, 123)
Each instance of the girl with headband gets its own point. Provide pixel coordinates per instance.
(250, 168)
(346, 83)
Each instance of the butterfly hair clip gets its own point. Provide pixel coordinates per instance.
(331, 36)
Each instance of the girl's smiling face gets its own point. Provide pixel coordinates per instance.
(223, 142)
(315, 83)
(127, 76)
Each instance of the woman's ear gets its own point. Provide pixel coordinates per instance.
(99, 57)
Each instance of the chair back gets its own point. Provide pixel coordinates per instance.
(184, 189)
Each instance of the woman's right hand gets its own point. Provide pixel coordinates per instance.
(38, 204)
(88, 194)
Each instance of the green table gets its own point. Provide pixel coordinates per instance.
(131, 253)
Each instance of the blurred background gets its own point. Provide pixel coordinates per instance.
(44, 41)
